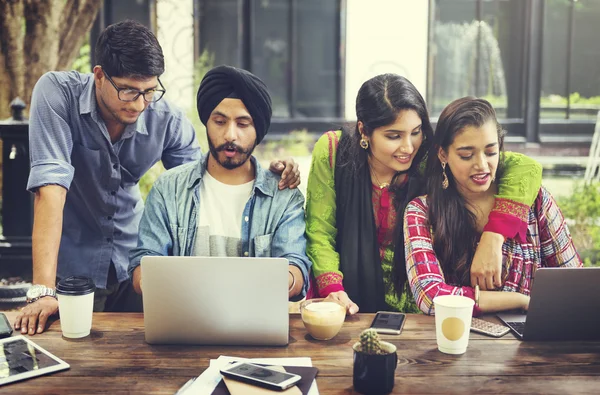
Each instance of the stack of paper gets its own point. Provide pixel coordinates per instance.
(210, 378)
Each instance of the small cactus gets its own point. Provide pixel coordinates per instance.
(369, 342)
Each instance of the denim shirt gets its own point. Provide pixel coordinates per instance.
(272, 223)
(70, 146)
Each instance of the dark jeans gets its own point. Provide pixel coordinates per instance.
(118, 296)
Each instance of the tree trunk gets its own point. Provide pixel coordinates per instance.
(4, 90)
(77, 20)
(11, 42)
(37, 36)
(41, 39)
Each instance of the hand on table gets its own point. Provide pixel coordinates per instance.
(33, 318)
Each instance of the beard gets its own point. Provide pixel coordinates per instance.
(230, 163)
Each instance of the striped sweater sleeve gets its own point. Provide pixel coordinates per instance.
(425, 276)
(556, 245)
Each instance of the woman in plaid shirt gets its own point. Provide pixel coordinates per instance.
(442, 229)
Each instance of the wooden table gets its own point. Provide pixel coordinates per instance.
(115, 359)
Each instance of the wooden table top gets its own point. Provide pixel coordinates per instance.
(115, 359)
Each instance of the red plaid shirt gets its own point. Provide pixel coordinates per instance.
(547, 243)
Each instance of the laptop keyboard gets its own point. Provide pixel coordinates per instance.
(518, 327)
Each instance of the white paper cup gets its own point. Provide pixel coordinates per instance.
(453, 322)
(75, 306)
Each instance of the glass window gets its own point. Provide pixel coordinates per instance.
(317, 68)
(570, 73)
(584, 100)
(220, 31)
(293, 46)
(477, 50)
(270, 51)
(553, 101)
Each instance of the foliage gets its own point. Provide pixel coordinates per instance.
(295, 144)
(148, 179)
(574, 99)
(582, 211)
(83, 61)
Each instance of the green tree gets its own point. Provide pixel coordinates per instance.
(582, 211)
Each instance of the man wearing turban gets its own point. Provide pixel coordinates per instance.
(229, 205)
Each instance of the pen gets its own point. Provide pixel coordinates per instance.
(185, 386)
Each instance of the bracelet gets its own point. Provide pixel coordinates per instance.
(477, 295)
(293, 281)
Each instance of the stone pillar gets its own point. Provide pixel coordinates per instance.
(175, 32)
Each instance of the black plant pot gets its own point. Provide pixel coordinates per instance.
(374, 373)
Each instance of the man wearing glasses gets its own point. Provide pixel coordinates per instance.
(92, 137)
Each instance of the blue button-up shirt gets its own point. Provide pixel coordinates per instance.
(70, 146)
(275, 226)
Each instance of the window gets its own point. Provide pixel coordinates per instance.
(571, 54)
(293, 45)
(477, 49)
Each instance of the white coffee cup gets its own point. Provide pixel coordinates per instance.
(453, 315)
(75, 305)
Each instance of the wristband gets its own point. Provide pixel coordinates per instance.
(293, 281)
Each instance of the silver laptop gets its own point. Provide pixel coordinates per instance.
(207, 300)
(564, 305)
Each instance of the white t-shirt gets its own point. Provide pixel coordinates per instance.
(220, 219)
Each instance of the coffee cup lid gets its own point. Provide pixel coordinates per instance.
(75, 285)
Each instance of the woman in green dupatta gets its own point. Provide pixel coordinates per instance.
(360, 181)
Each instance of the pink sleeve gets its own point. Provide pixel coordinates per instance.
(508, 218)
(424, 272)
(327, 283)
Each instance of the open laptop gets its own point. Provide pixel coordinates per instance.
(564, 305)
(208, 300)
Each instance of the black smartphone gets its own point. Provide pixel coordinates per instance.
(258, 375)
(5, 327)
(388, 322)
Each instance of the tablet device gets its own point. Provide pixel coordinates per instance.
(20, 359)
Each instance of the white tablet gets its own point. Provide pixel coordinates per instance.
(20, 359)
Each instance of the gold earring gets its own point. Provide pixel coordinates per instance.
(445, 182)
(364, 143)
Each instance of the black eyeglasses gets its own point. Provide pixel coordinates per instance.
(129, 94)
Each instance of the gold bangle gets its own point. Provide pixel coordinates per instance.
(477, 295)
(293, 281)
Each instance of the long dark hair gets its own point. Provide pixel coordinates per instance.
(379, 102)
(453, 225)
